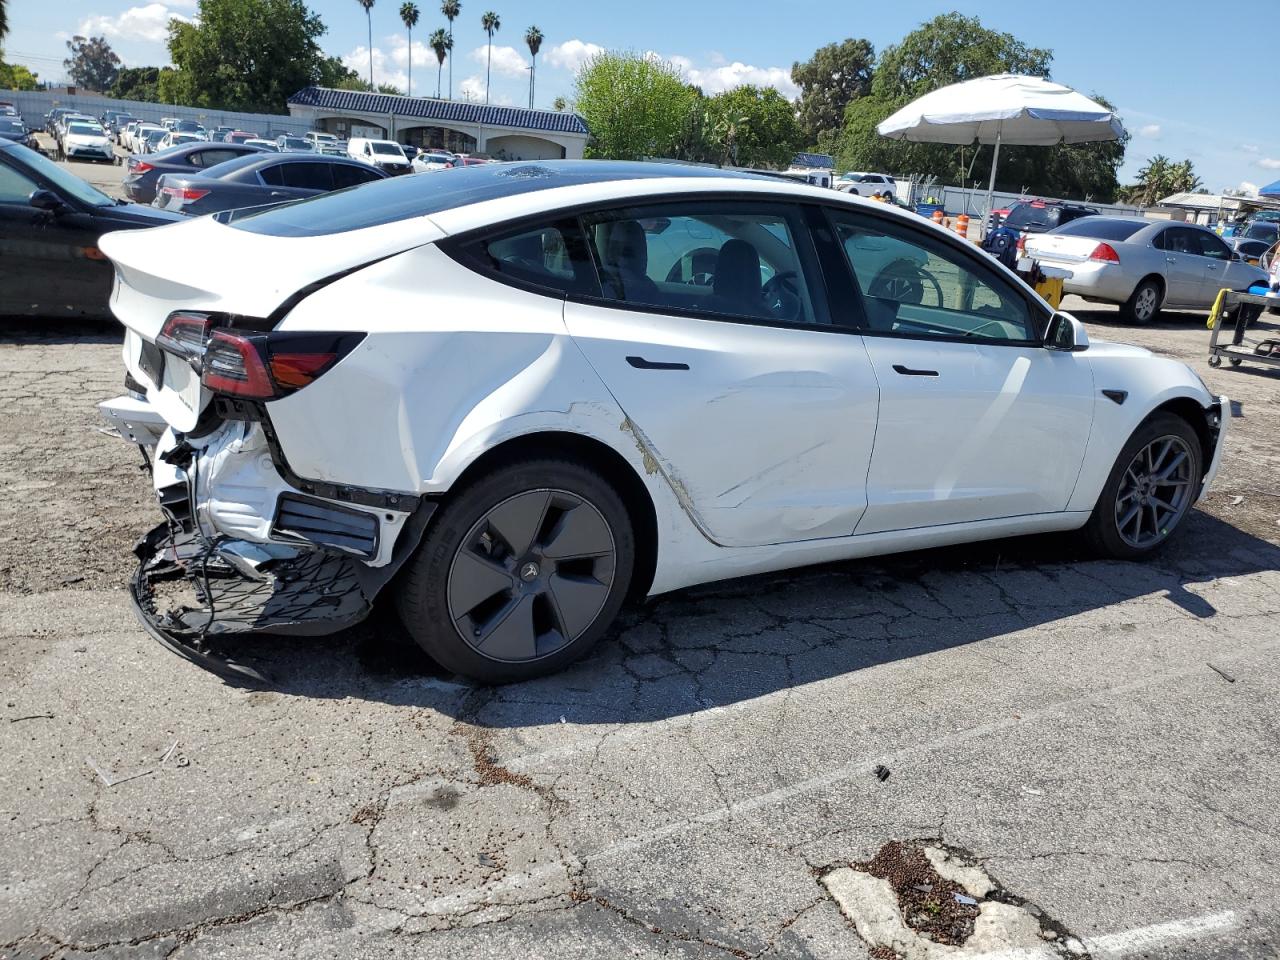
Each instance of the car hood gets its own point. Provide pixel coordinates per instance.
(92, 139)
(1109, 348)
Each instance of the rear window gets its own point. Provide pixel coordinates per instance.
(1262, 231)
(401, 198)
(1028, 217)
(1103, 228)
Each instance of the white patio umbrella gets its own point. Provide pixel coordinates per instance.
(1004, 108)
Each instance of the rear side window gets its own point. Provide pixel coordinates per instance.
(1103, 228)
(551, 257)
(307, 176)
(351, 175)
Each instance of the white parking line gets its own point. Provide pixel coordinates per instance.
(1144, 938)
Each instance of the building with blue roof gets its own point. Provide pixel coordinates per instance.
(504, 133)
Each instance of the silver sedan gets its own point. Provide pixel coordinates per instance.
(1143, 265)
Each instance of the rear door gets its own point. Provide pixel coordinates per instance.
(1184, 269)
(977, 420)
(291, 181)
(712, 331)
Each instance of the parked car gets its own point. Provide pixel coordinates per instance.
(117, 124)
(14, 130)
(431, 163)
(86, 141)
(410, 151)
(867, 184)
(1026, 218)
(50, 223)
(1266, 231)
(191, 127)
(256, 180)
(1251, 251)
(64, 121)
(51, 119)
(318, 138)
(219, 134)
(478, 388)
(386, 155)
(288, 144)
(262, 144)
(175, 138)
(152, 138)
(240, 136)
(140, 174)
(1143, 265)
(169, 123)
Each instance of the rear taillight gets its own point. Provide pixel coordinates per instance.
(267, 366)
(185, 194)
(1106, 253)
(139, 166)
(185, 333)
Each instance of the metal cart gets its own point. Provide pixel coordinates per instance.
(1240, 330)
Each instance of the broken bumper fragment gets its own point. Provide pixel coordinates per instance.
(244, 551)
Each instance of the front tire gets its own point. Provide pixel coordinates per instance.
(1143, 306)
(1149, 491)
(521, 572)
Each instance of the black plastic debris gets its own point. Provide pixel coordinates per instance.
(882, 773)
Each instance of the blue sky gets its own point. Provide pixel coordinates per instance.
(1176, 92)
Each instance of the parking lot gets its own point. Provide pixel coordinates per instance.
(1097, 737)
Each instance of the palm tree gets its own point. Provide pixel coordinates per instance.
(409, 14)
(451, 10)
(441, 44)
(533, 39)
(368, 12)
(491, 25)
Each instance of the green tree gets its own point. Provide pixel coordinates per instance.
(92, 63)
(247, 55)
(451, 9)
(952, 48)
(14, 76)
(1158, 178)
(829, 81)
(137, 83)
(332, 72)
(409, 15)
(533, 40)
(753, 127)
(440, 42)
(368, 15)
(491, 24)
(634, 106)
(4, 22)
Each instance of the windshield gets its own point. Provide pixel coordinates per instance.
(67, 182)
(1262, 231)
(155, 135)
(85, 129)
(387, 150)
(1101, 228)
(327, 137)
(293, 143)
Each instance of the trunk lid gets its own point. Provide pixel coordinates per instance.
(1061, 247)
(203, 265)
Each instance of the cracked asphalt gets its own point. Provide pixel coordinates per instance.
(678, 794)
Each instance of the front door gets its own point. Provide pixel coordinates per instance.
(977, 420)
(1184, 271)
(712, 333)
(50, 262)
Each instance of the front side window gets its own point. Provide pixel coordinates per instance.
(916, 285)
(1211, 246)
(723, 258)
(14, 187)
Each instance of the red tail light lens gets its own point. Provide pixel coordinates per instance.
(185, 333)
(186, 194)
(1106, 253)
(267, 366)
(140, 166)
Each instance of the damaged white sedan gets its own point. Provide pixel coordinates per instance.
(514, 396)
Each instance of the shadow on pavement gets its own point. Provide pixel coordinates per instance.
(736, 640)
(58, 330)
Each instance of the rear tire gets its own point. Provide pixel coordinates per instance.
(1144, 304)
(521, 572)
(1149, 491)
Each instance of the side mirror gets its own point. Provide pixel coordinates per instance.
(46, 200)
(1066, 333)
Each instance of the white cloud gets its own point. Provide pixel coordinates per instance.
(1269, 163)
(507, 61)
(572, 54)
(472, 88)
(384, 68)
(1151, 131)
(1248, 189)
(149, 22)
(1249, 147)
(718, 79)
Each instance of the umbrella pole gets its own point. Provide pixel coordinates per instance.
(991, 184)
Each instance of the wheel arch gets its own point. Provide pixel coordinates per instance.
(1195, 414)
(599, 456)
(1160, 282)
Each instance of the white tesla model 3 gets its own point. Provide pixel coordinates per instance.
(517, 394)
